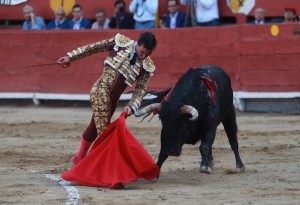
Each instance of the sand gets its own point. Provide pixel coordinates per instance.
(37, 143)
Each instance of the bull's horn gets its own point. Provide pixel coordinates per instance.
(190, 110)
(147, 109)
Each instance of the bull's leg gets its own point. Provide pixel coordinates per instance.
(206, 151)
(210, 158)
(230, 127)
(161, 158)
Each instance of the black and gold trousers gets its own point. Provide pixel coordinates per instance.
(104, 96)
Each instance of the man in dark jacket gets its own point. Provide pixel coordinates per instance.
(176, 18)
(121, 19)
(259, 16)
(78, 22)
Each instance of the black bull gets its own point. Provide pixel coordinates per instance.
(197, 104)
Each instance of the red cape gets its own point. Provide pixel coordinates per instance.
(115, 158)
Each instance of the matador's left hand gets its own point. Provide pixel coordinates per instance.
(127, 109)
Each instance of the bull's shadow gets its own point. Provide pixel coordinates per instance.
(191, 112)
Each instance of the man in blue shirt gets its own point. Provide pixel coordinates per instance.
(78, 22)
(60, 21)
(32, 22)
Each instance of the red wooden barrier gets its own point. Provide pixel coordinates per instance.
(273, 8)
(255, 60)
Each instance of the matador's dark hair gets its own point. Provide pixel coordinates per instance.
(148, 40)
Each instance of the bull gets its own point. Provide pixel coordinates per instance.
(195, 106)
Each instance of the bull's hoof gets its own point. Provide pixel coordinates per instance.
(205, 169)
(235, 171)
(242, 169)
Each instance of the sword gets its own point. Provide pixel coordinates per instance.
(30, 66)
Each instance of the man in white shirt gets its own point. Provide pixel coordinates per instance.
(144, 13)
(207, 11)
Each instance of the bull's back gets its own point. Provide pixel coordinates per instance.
(218, 74)
(224, 94)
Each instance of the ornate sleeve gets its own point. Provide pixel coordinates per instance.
(93, 48)
(140, 90)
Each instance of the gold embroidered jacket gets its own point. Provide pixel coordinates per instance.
(120, 48)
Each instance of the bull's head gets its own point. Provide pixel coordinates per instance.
(176, 125)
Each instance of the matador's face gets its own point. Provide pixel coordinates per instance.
(142, 52)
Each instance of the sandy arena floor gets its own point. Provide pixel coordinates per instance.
(37, 143)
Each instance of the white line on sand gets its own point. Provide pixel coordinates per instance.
(73, 192)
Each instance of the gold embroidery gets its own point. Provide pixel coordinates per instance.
(100, 99)
(140, 89)
(123, 41)
(119, 63)
(90, 49)
(148, 65)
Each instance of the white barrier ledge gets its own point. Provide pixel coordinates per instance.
(36, 97)
(238, 97)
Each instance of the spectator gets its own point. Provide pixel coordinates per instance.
(101, 21)
(289, 15)
(60, 21)
(207, 12)
(121, 19)
(259, 16)
(32, 22)
(78, 22)
(176, 18)
(144, 13)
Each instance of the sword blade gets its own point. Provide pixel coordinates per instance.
(30, 66)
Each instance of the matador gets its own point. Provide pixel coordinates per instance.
(128, 61)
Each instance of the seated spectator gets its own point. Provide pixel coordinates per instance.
(144, 13)
(289, 15)
(60, 21)
(207, 12)
(259, 16)
(121, 19)
(101, 21)
(78, 22)
(32, 22)
(176, 18)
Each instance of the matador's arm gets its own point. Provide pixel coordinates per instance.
(90, 49)
(139, 91)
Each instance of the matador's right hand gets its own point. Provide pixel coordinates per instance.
(64, 61)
